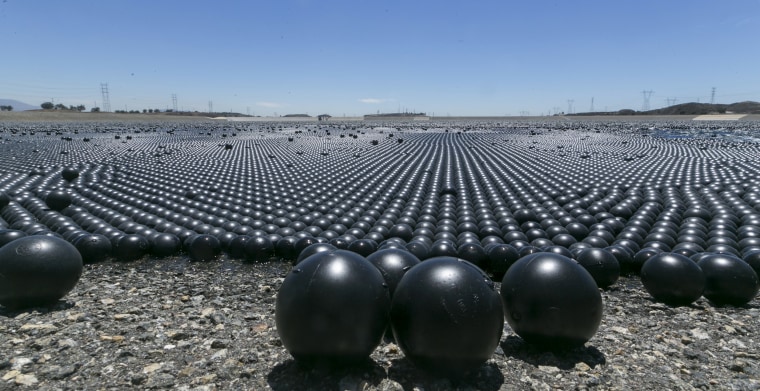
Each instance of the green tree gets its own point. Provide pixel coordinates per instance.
(47, 105)
(80, 108)
(95, 110)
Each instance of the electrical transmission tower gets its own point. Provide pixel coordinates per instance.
(592, 105)
(210, 106)
(671, 101)
(174, 102)
(647, 94)
(106, 99)
(570, 106)
(712, 96)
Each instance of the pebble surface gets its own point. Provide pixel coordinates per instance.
(172, 323)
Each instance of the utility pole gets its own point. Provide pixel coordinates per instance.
(106, 99)
(647, 94)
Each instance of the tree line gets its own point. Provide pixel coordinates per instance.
(6, 108)
(61, 106)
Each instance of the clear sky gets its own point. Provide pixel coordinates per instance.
(359, 57)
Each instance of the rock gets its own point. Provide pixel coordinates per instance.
(25, 380)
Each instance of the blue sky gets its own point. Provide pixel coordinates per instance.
(359, 57)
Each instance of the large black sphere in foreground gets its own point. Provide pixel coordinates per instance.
(332, 309)
(728, 279)
(447, 316)
(551, 301)
(37, 270)
(673, 279)
(393, 264)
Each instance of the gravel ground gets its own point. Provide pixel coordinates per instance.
(177, 324)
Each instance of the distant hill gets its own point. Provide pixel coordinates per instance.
(692, 108)
(17, 106)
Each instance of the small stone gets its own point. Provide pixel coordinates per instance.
(161, 380)
(177, 335)
(548, 369)
(10, 375)
(107, 301)
(112, 338)
(582, 367)
(67, 343)
(619, 330)
(265, 288)
(20, 362)
(207, 312)
(686, 340)
(390, 385)
(44, 328)
(737, 366)
(352, 383)
(152, 367)
(138, 379)
(699, 334)
(122, 316)
(25, 380)
(217, 344)
(75, 317)
(219, 355)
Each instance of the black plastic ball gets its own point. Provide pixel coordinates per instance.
(601, 264)
(93, 248)
(419, 249)
(9, 235)
(446, 316)
(259, 249)
(332, 308)
(4, 199)
(236, 249)
(551, 301)
(672, 279)
(164, 245)
(130, 247)
(70, 173)
(204, 247)
(58, 199)
(393, 264)
(313, 249)
(363, 247)
(500, 257)
(37, 270)
(728, 279)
